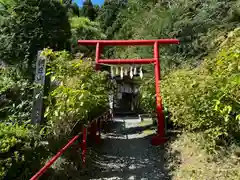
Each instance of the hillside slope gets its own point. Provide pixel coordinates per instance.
(200, 77)
(196, 24)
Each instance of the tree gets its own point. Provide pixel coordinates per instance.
(97, 9)
(88, 10)
(5, 10)
(83, 28)
(31, 26)
(72, 8)
(109, 13)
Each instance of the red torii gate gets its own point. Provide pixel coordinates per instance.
(100, 44)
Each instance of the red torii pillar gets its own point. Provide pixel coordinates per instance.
(100, 44)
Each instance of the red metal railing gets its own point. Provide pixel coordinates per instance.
(94, 127)
(49, 163)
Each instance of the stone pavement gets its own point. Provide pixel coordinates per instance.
(126, 153)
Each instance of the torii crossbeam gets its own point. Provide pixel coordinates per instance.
(160, 138)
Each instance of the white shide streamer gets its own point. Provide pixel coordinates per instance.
(117, 72)
(141, 73)
(121, 73)
(126, 71)
(131, 72)
(112, 72)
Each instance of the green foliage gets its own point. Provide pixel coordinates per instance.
(31, 26)
(190, 161)
(72, 8)
(203, 98)
(5, 10)
(195, 23)
(15, 97)
(20, 152)
(10, 137)
(148, 96)
(81, 94)
(83, 28)
(207, 98)
(108, 16)
(78, 94)
(88, 10)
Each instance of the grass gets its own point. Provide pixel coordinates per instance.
(196, 164)
(193, 162)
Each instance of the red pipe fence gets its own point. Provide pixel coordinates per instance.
(94, 127)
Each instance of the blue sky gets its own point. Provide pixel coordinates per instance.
(79, 2)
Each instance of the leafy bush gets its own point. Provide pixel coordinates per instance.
(15, 97)
(20, 153)
(81, 93)
(207, 98)
(148, 96)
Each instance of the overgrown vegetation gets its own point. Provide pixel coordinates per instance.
(20, 151)
(200, 77)
(77, 93)
(29, 27)
(207, 98)
(200, 94)
(81, 95)
(195, 23)
(193, 162)
(15, 98)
